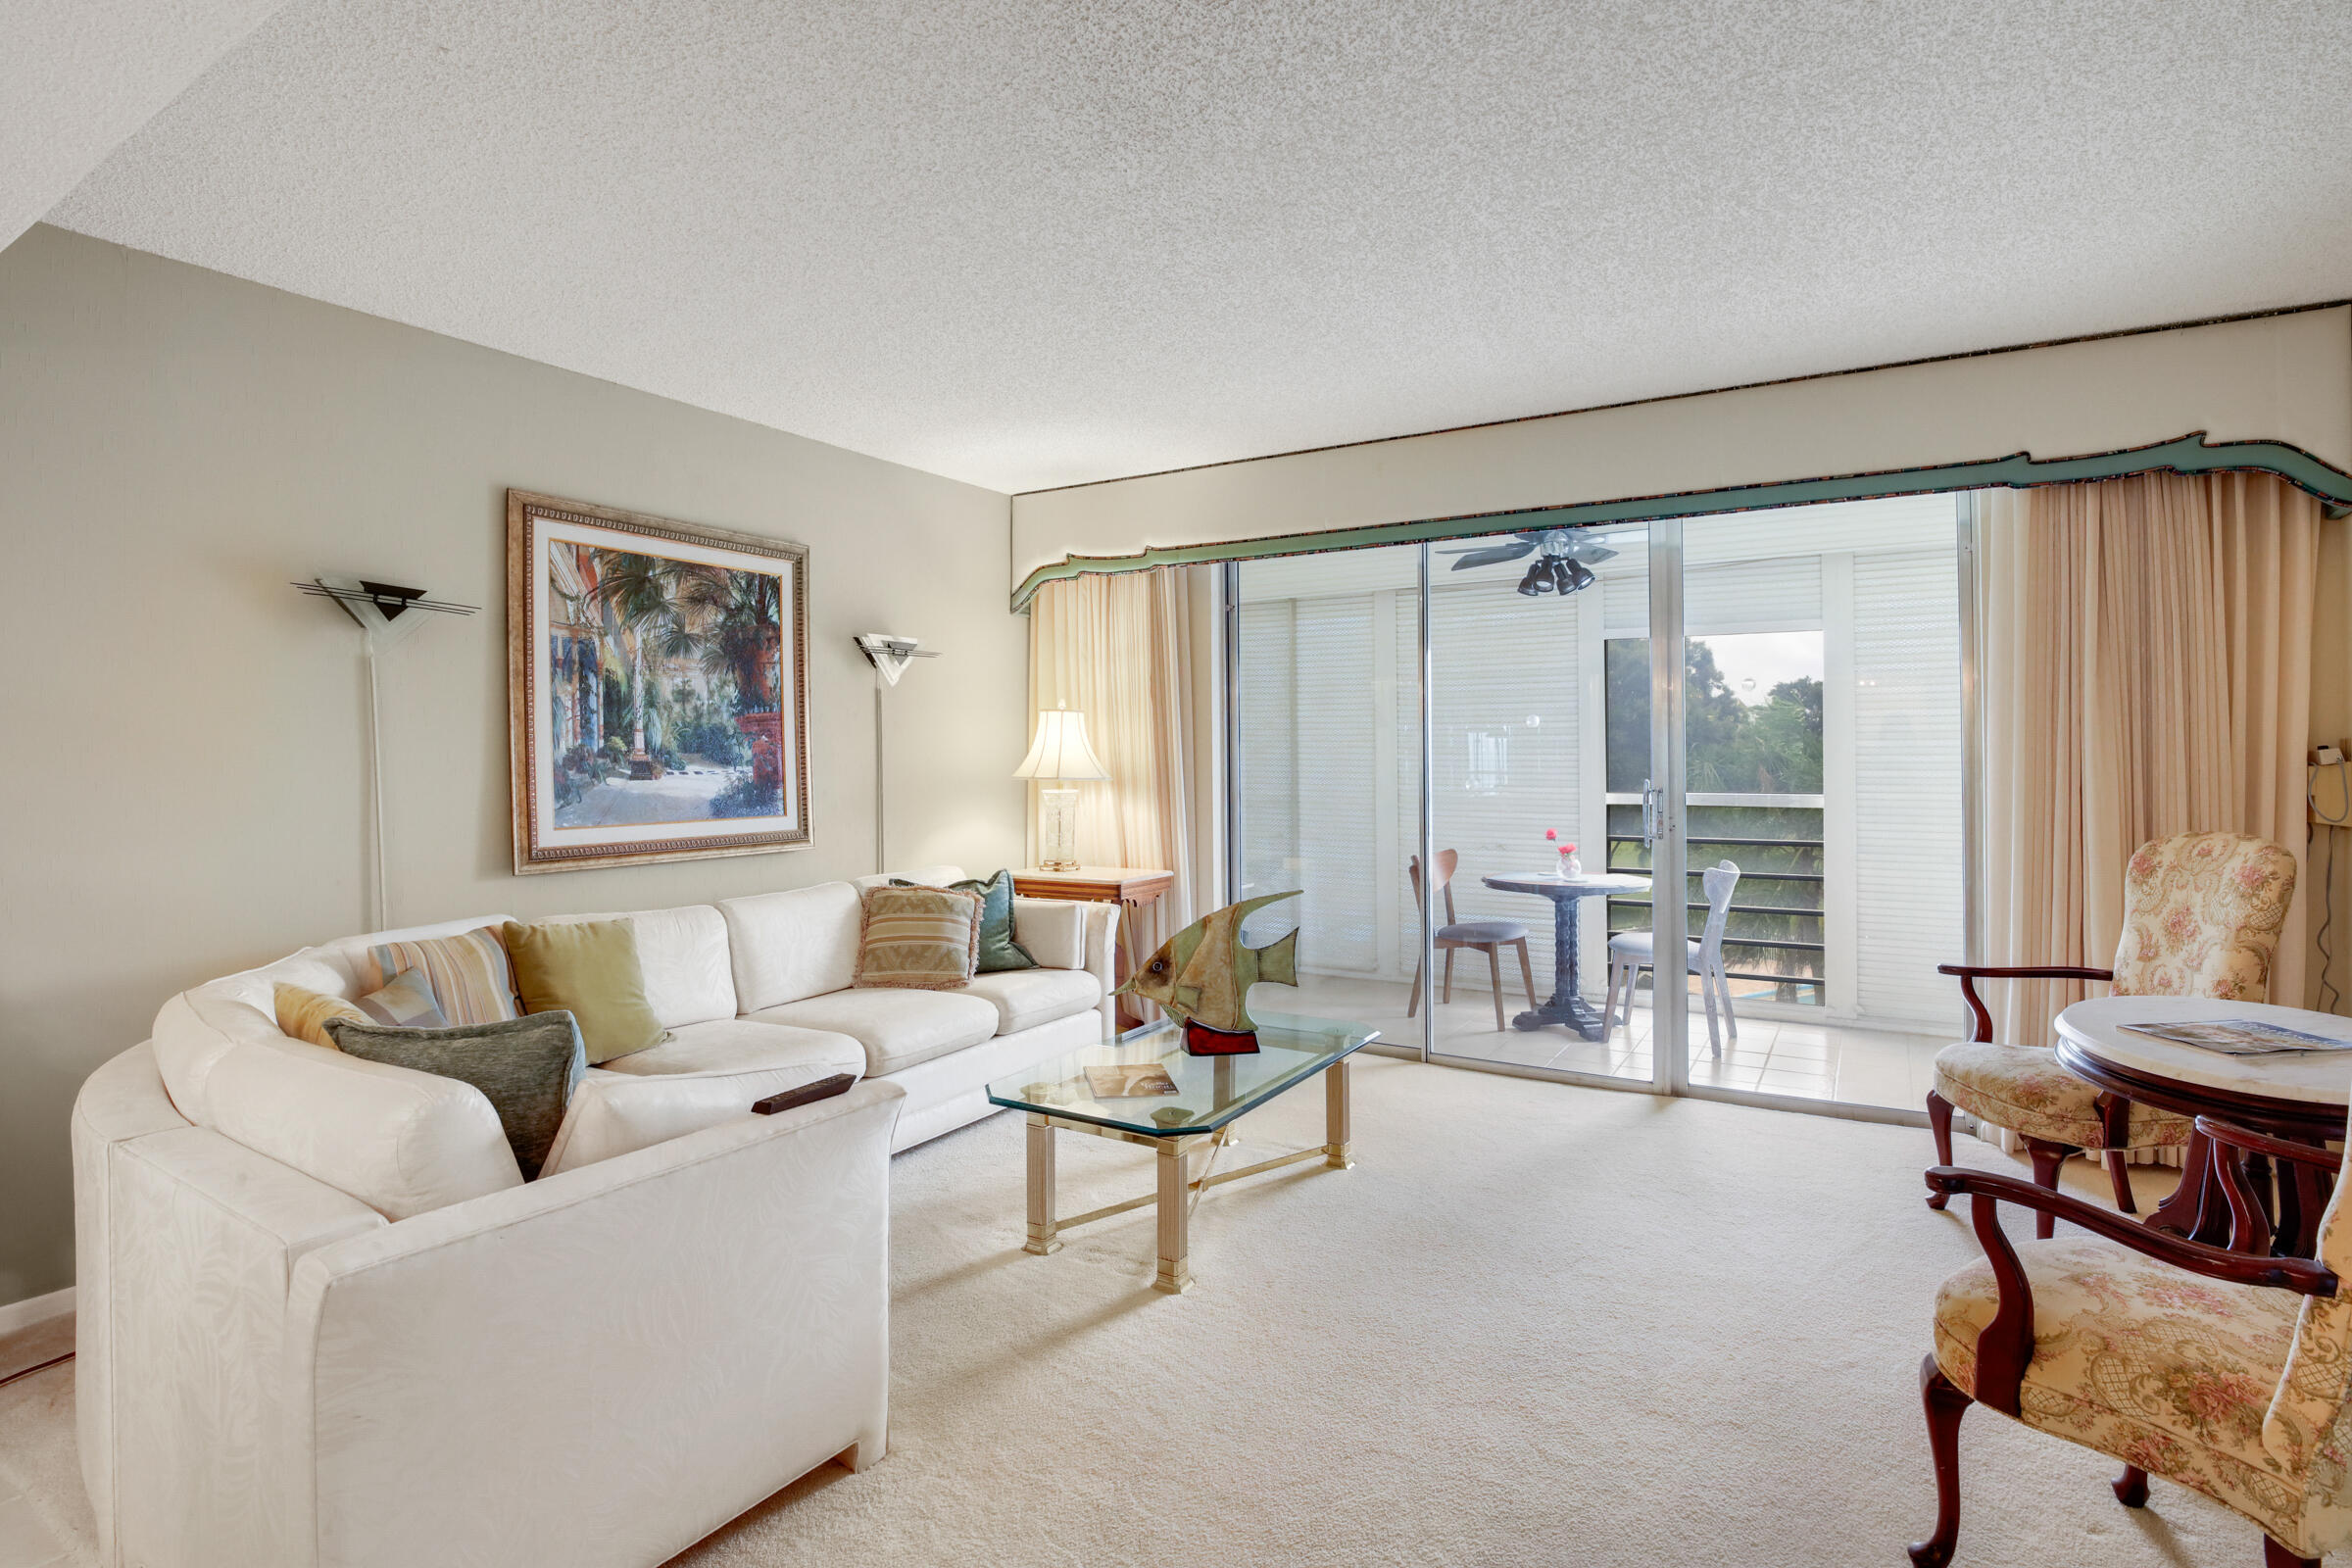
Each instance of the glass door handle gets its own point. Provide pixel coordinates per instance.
(1652, 804)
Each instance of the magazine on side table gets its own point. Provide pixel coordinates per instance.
(2238, 1037)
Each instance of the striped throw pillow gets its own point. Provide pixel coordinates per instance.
(304, 1013)
(919, 939)
(405, 1003)
(467, 974)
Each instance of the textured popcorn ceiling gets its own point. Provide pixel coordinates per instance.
(76, 76)
(1031, 244)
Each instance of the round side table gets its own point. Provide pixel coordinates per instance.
(2301, 1096)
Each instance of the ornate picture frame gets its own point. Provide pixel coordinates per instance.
(657, 688)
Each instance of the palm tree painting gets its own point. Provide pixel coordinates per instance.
(668, 677)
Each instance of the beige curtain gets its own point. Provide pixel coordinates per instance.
(1120, 650)
(2147, 666)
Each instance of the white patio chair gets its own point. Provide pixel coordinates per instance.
(1630, 952)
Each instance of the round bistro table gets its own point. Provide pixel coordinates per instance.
(2301, 1096)
(1567, 1005)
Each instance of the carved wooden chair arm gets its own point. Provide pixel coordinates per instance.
(2233, 1136)
(2249, 1216)
(2007, 1343)
(1980, 1027)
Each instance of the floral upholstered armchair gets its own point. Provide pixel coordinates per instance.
(2222, 1370)
(2201, 919)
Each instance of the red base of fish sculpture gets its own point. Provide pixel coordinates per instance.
(1201, 1041)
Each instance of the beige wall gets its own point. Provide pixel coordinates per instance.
(181, 741)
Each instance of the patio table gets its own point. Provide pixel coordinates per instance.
(1567, 1005)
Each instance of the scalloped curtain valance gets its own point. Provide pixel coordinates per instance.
(2270, 394)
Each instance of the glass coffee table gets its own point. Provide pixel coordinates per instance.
(1211, 1094)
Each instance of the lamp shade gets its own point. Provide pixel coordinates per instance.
(1061, 750)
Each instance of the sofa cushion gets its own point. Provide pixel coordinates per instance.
(682, 954)
(786, 945)
(589, 969)
(705, 1074)
(1026, 997)
(896, 1028)
(740, 1046)
(525, 1067)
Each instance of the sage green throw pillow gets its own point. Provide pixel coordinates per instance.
(997, 949)
(589, 969)
(525, 1067)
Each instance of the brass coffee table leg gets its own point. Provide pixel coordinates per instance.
(1042, 1237)
(1175, 1219)
(1335, 1117)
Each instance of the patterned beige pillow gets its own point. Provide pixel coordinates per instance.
(304, 1013)
(919, 939)
(469, 974)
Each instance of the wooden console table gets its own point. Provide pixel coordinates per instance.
(1129, 887)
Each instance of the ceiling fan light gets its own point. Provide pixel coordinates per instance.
(1579, 575)
(1537, 581)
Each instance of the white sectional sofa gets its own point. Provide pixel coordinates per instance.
(323, 1320)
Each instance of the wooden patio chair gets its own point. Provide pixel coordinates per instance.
(1489, 936)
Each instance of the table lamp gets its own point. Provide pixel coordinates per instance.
(1060, 753)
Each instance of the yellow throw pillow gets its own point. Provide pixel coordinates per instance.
(589, 969)
(304, 1013)
(919, 939)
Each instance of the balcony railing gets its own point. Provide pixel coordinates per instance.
(1774, 930)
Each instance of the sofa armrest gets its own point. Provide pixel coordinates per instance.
(1071, 934)
(190, 1242)
(1053, 931)
(604, 1365)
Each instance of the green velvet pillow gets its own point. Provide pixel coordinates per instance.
(997, 949)
(589, 969)
(525, 1067)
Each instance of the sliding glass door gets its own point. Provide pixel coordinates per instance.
(1524, 740)
(1532, 735)
(1819, 769)
(1325, 726)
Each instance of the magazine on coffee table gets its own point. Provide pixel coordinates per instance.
(2238, 1037)
(1128, 1081)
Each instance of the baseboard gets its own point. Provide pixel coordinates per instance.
(17, 1316)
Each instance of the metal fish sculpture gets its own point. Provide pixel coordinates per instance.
(1203, 975)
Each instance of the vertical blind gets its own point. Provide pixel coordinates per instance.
(1907, 800)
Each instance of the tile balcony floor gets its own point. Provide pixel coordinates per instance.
(1844, 1061)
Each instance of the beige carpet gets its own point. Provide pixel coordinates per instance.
(1535, 1325)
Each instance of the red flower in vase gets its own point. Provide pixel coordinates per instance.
(1551, 833)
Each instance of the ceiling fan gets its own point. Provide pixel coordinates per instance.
(1563, 562)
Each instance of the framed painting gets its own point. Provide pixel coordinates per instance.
(658, 687)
